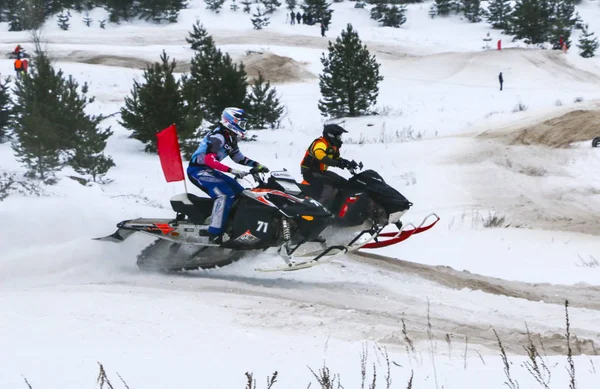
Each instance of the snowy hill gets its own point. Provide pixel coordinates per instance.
(446, 137)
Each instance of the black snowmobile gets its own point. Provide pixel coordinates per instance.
(13, 55)
(368, 202)
(273, 214)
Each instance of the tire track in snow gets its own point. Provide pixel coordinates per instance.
(579, 295)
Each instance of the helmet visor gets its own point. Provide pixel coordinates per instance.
(241, 123)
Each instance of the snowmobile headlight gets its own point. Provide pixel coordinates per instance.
(395, 216)
(309, 218)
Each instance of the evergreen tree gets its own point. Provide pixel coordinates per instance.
(318, 9)
(499, 14)
(87, 20)
(472, 10)
(121, 10)
(247, 4)
(86, 153)
(88, 157)
(291, 4)
(378, 10)
(349, 83)
(198, 38)
(563, 20)
(160, 10)
(157, 104)
(215, 82)
(259, 20)
(588, 43)
(443, 7)
(48, 120)
(63, 21)
(4, 109)
(531, 20)
(270, 5)
(234, 7)
(214, 5)
(389, 16)
(37, 122)
(263, 105)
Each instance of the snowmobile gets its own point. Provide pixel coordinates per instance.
(596, 142)
(13, 55)
(273, 214)
(368, 202)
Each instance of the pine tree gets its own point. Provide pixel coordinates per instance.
(291, 4)
(349, 83)
(215, 82)
(4, 109)
(214, 5)
(160, 10)
(531, 20)
(247, 4)
(472, 10)
(234, 7)
(563, 20)
(87, 20)
(157, 104)
(263, 105)
(318, 9)
(443, 7)
(88, 158)
(499, 14)
(63, 21)
(389, 16)
(36, 121)
(48, 118)
(199, 38)
(86, 153)
(270, 5)
(259, 20)
(378, 10)
(121, 10)
(588, 43)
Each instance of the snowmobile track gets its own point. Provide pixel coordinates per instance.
(579, 295)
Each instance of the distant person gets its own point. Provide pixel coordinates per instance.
(20, 67)
(323, 28)
(298, 17)
(304, 18)
(292, 18)
(501, 80)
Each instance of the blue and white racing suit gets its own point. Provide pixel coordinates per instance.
(205, 170)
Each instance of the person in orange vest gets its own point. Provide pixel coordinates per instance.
(324, 152)
(20, 67)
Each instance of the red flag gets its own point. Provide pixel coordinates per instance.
(169, 154)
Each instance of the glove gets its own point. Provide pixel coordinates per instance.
(261, 168)
(344, 164)
(238, 173)
(352, 165)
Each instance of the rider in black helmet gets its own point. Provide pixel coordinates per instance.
(322, 153)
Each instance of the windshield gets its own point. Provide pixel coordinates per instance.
(289, 186)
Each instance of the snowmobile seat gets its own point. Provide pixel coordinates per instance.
(197, 209)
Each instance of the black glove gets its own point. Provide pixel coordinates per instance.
(353, 165)
(261, 168)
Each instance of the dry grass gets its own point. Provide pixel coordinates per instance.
(536, 365)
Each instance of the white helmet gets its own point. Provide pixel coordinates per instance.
(234, 119)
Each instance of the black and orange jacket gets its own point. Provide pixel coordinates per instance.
(18, 64)
(320, 155)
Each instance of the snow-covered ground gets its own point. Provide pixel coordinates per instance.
(67, 302)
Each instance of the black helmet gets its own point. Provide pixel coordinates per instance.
(333, 133)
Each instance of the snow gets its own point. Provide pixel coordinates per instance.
(67, 302)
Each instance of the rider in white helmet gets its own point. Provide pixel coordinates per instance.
(206, 171)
